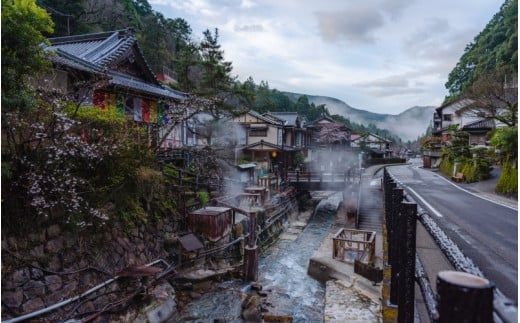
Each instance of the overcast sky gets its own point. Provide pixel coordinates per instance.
(382, 56)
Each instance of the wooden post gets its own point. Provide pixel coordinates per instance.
(464, 297)
(406, 283)
(394, 238)
(251, 252)
(251, 263)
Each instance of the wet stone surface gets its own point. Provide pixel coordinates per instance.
(218, 306)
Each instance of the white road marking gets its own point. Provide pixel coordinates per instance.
(428, 205)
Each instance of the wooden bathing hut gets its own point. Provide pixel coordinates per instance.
(211, 222)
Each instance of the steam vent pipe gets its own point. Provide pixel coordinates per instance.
(251, 251)
(464, 297)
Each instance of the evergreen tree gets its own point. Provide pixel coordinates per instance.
(216, 78)
(495, 48)
(24, 25)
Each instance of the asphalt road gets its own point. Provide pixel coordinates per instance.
(486, 232)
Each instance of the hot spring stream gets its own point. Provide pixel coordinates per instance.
(283, 275)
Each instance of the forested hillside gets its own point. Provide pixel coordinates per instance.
(494, 50)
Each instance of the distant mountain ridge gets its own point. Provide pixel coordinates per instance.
(408, 125)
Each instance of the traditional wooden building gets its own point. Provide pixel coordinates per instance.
(108, 70)
(453, 116)
(375, 145)
(271, 139)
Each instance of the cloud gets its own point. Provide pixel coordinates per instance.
(247, 4)
(436, 44)
(393, 85)
(394, 8)
(362, 52)
(249, 28)
(429, 38)
(359, 22)
(391, 81)
(355, 24)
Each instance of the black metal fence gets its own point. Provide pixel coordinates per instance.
(401, 217)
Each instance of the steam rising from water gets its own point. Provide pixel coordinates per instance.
(334, 161)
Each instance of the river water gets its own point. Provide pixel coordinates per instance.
(283, 275)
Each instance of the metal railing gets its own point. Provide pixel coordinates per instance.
(348, 176)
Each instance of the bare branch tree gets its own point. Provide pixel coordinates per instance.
(494, 97)
(183, 110)
(332, 133)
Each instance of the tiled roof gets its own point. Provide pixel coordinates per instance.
(317, 123)
(456, 105)
(100, 48)
(267, 144)
(94, 53)
(265, 118)
(290, 117)
(64, 58)
(480, 124)
(133, 83)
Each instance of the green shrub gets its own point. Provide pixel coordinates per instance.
(203, 198)
(470, 174)
(476, 169)
(446, 167)
(508, 181)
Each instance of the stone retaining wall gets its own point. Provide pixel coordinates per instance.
(53, 265)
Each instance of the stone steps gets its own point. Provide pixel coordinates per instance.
(370, 208)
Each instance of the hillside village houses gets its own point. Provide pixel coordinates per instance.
(378, 147)
(456, 116)
(108, 70)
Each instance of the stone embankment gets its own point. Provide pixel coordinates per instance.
(43, 269)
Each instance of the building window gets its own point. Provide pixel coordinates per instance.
(298, 139)
(258, 132)
(446, 117)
